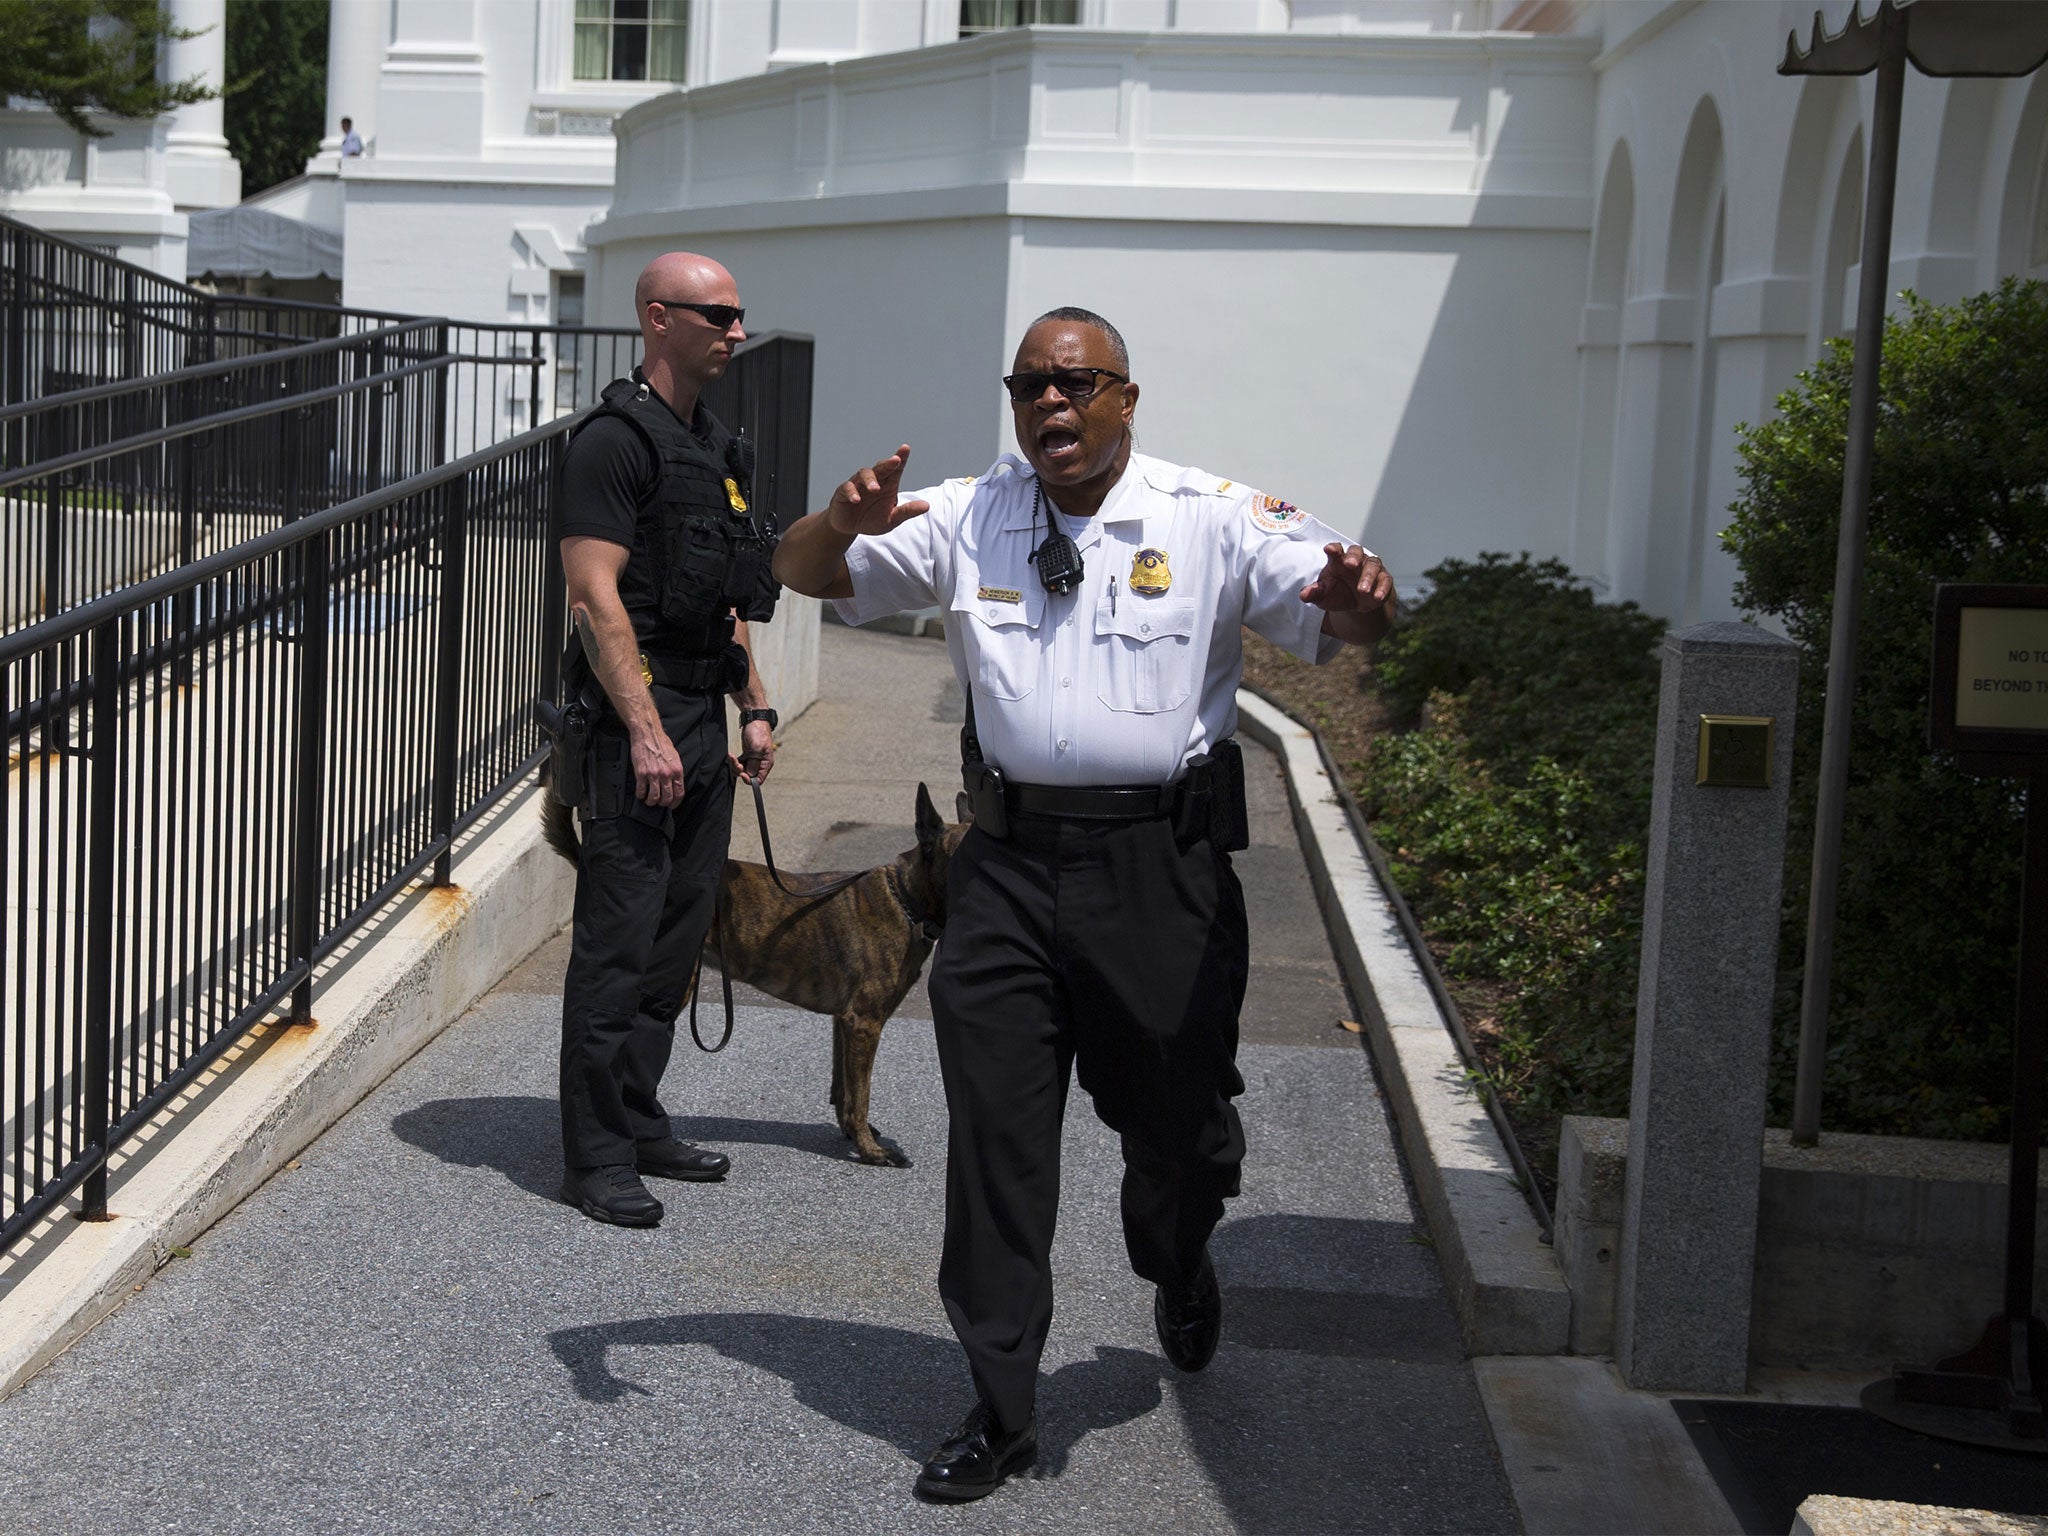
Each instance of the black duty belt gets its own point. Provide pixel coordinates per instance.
(688, 674)
(1102, 802)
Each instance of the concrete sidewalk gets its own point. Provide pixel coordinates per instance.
(405, 1332)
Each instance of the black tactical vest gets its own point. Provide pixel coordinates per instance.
(711, 549)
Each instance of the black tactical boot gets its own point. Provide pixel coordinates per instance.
(674, 1159)
(1189, 1318)
(612, 1193)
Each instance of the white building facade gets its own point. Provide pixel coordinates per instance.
(1457, 277)
(1455, 274)
(128, 193)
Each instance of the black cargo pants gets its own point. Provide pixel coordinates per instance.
(1108, 948)
(646, 887)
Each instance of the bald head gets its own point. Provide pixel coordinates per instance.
(684, 348)
(681, 275)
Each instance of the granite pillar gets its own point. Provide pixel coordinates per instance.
(1703, 1014)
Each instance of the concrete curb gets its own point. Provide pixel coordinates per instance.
(407, 982)
(1506, 1286)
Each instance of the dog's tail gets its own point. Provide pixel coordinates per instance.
(558, 828)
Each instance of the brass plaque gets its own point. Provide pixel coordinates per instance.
(2002, 669)
(1736, 750)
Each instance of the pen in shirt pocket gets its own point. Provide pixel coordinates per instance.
(1112, 597)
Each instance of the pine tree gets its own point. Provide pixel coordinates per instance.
(277, 101)
(81, 56)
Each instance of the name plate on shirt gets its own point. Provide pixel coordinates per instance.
(1000, 595)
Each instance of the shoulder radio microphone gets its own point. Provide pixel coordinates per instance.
(1057, 558)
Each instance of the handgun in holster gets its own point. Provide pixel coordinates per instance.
(569, 727)
(983, 782)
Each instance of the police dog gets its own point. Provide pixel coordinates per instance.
(854, 952)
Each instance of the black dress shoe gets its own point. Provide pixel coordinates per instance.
(1190, 1318)
(612, 1193)
(674, 1159)
(973, 1461)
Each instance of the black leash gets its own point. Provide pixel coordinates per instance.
(725, 981)
(718, 923)
(768, 855)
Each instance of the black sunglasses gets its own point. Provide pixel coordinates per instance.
(724, 316)
(1074, 384)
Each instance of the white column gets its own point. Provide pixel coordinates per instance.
(200, 171)
(355, 52)
(431, 100)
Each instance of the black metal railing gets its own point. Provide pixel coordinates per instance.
(71, 317)
(110, 484)
(508, 378)
(218, 776)
(176, 467)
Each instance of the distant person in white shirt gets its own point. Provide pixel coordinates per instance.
(351, 141)
(1094, 599)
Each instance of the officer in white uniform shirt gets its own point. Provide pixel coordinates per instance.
(1093, 599)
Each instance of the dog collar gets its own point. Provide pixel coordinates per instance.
(931, 929)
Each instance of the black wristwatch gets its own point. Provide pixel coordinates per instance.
(749, 716)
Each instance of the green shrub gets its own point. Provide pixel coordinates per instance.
(1925, 962)
(1514, 813)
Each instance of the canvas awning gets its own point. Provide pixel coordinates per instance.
(255, 242)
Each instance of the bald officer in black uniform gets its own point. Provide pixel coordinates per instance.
(1094, 600)
(664, 559)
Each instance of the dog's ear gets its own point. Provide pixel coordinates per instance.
(929, 825)
(963, 808)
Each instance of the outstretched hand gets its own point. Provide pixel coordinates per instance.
(866, 504)
(1352, 580)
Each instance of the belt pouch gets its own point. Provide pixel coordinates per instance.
(985, 798)
(1211, 800)
(1230, 823)
(611, 775)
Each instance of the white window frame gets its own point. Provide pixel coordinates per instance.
(555, 83)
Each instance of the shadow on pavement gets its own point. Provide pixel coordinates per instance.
(517, 1134)
(520, 1135)
(904, 1389)
(1322, 1291)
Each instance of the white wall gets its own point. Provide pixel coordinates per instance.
(1397, 383)
(429, 247)
(1327, 254)
(1683, 337)
(908, 321)
(110, 192)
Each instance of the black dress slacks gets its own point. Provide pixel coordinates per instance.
(1107, 949)
(646, 890)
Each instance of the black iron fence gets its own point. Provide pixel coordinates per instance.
(173, 468)
(71, 317)
(109, 484)
(217, 776)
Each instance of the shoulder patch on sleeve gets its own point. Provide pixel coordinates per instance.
(1272, 515)
(964, 480)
